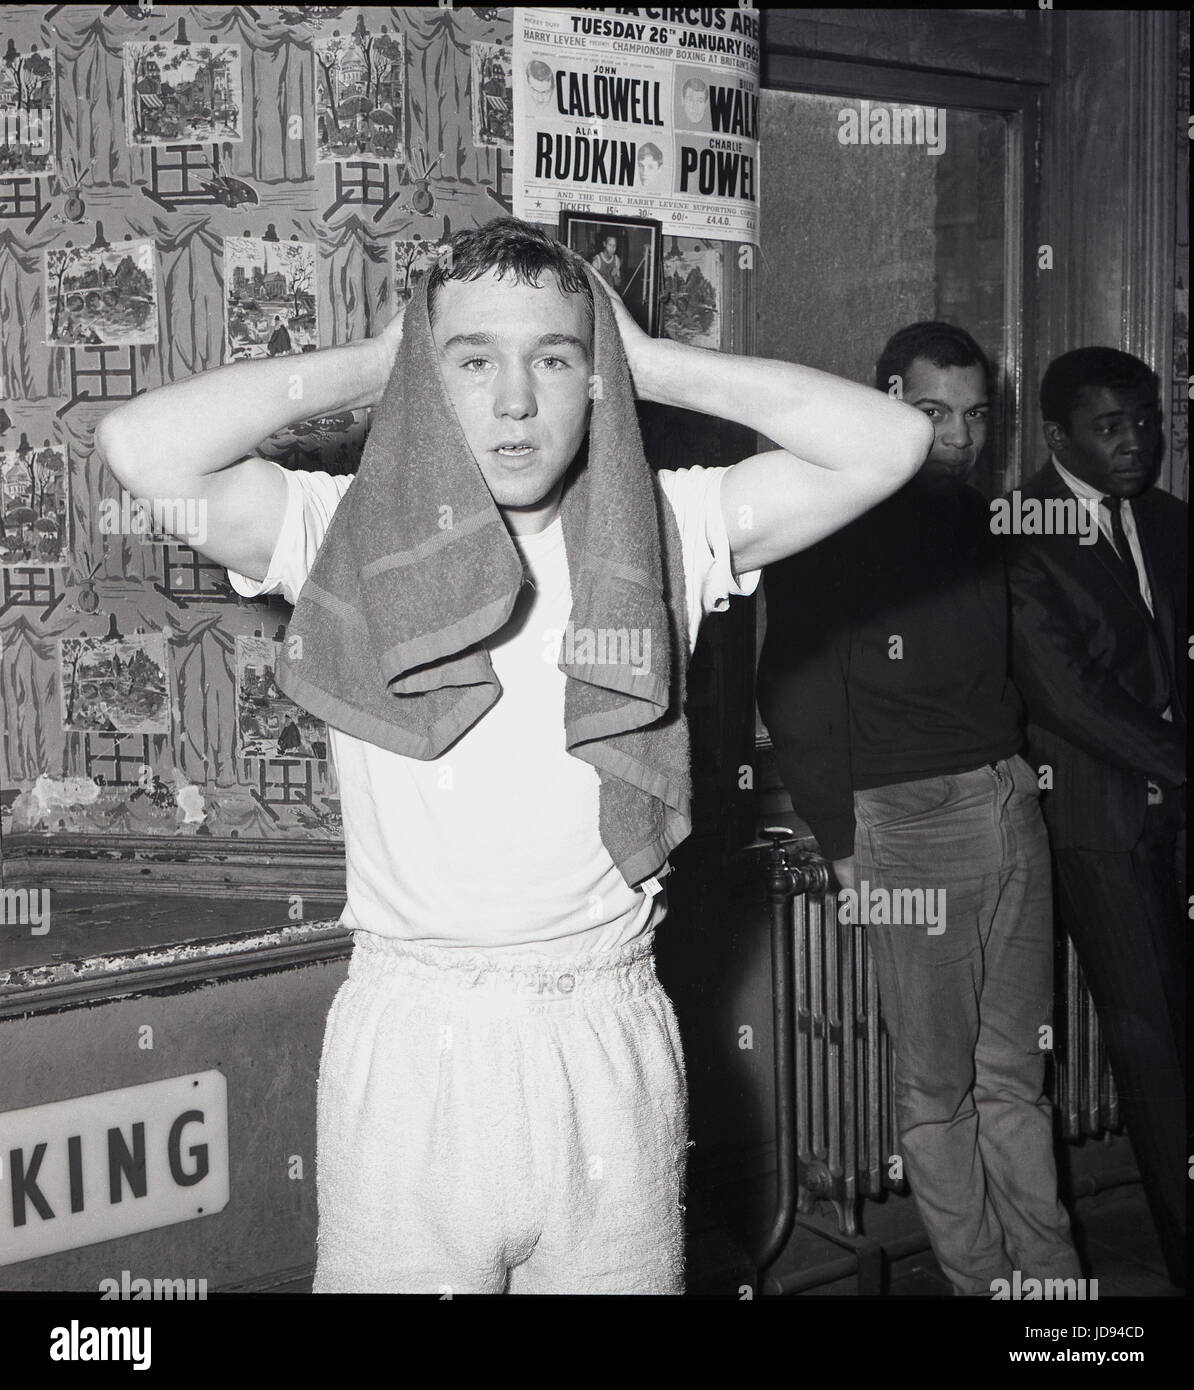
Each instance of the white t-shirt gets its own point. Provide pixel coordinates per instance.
(496, 842)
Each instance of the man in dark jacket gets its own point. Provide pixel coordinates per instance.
(885, 687)
(1099, 629)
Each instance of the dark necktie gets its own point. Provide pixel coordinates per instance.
(1161, 663)
(1114, 506)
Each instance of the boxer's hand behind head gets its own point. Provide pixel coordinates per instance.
(634, 341)
(389, 336)
(378, 355)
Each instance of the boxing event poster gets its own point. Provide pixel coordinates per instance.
(621, 114)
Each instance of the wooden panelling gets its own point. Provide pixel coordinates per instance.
(1005, 44)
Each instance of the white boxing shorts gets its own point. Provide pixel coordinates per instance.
(500, 1122)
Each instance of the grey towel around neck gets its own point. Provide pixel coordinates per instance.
(417, 570)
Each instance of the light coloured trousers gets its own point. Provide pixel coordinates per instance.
(492, 1122)
(969, 1010)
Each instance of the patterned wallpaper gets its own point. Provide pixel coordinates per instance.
(183, 186)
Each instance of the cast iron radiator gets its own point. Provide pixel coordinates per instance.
(835, 1127)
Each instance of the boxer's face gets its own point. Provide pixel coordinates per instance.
(516, 363)
(1114, 439)
(955, 400)
(648, 169)
(694, 101)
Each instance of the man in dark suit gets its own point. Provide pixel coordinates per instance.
(1099, 636)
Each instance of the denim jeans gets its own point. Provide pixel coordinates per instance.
(969, 1009)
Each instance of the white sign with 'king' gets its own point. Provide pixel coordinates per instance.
(79, 1171)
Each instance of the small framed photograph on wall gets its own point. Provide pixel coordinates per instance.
(692, 291)
(627, 252)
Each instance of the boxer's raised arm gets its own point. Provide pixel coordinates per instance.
(194, 439)
(843, 447)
